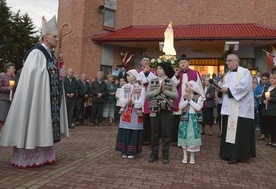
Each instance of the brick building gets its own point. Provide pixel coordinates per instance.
(101, 29)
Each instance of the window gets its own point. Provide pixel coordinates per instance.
(106, 70)
(247, 63)
(109, 18)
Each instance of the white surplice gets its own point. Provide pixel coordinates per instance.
(242, 105)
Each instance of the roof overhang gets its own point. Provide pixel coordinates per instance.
(197, 32)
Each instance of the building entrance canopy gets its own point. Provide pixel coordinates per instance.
(198, 41)
(190, 32)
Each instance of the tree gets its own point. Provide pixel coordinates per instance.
(5, 30)
(18, 36)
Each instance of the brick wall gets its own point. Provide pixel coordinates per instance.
(160, 12)
(81, 54)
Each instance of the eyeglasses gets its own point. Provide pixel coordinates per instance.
(230, 60)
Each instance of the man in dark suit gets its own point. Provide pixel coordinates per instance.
(71, 90)
(83, 93)
(122, 73)
(98, 92)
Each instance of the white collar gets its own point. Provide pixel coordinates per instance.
(47, 48)
(162, 78)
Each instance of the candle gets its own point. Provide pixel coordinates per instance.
(11, 83)
(267, 94)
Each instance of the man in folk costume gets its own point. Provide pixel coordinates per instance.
(37, 117)
(238, 132)
(183, 75)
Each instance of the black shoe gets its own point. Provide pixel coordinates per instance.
(153, 158)
(166, 160)
(203, 133)
(233, 161)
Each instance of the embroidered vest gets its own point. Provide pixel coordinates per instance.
(161, 101)
(185, 111)
(134, 93)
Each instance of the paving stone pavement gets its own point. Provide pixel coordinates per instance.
(87, 159)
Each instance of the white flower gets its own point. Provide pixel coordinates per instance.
(159, 60)
(153, 60)
(172, 62)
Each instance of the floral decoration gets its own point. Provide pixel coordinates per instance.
(172, 60)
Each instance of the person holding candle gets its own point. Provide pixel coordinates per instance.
(269, 109)
(37, 117)
(238, 132)
(6, 87)
(259, 105)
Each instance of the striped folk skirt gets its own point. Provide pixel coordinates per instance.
(129, 142)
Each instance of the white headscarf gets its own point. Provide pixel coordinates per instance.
(194, 87)
(134, 74)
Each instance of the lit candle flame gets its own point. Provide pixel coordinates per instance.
(267, 94)
(11, 83)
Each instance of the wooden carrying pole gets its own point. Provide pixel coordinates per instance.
(64, 30)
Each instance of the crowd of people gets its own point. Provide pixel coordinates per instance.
(172, 104)
(169, 103)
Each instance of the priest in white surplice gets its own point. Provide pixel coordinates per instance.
(238, 133)
(37, 115)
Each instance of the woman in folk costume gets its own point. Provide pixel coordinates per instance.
(161, 94)
(132, 96)
(181, 77)
(37, 116)
(189, 136)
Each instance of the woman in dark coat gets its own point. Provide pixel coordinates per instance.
(208, 108)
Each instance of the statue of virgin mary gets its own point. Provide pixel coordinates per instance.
(168, 48)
